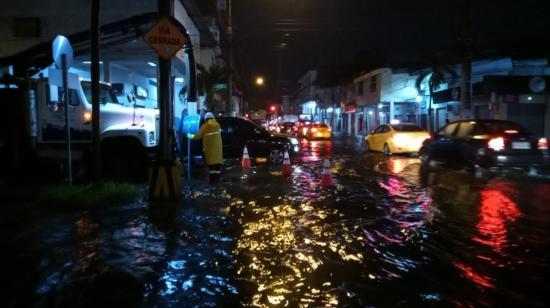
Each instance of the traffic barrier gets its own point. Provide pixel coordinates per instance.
(326, 176)
(287, 168)
(165, 181)
(246, 159)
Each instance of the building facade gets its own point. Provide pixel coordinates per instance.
(503, 88)
(125, 57)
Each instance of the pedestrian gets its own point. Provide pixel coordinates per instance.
(211, 137)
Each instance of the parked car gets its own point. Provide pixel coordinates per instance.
(300, 128)
(318, 131)
(286, 128)
(238, 132)
(485, 143)
(396, 138)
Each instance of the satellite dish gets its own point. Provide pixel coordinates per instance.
(537, 84)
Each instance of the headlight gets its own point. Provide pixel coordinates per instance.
(293, 141)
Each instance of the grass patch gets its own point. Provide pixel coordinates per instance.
(84, 196)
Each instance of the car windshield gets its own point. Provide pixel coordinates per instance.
(106, 94)
(258, 126)
(500, 127)
(407, 128)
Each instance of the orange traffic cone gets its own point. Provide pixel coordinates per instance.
(287, 168)
(326, 176)
(246, 159)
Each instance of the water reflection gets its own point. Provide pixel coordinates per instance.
(498, 211)
(281, 252)
(315, 150)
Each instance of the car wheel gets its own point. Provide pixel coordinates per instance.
(276, 156)
(367, 147)
(387, 150)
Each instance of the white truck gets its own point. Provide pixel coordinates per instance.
(129, 135)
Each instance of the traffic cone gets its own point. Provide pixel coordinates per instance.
(246, 159)
(287, 168)
(326, 176)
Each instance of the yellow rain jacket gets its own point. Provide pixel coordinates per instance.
(211, 142)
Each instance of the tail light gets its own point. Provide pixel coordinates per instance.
(543, 144)
(400, 140)
(497, 144)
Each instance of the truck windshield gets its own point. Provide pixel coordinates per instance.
(106, 95)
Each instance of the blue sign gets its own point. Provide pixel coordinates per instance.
(191, 124)
(62, 46)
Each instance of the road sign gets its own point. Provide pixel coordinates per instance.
(219, 86)
(166, 37)
(62, 46)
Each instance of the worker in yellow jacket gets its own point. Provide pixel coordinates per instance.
(211, 145)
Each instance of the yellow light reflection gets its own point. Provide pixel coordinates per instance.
(285, 246)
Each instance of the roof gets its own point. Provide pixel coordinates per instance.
(207, 39)
(39, 56)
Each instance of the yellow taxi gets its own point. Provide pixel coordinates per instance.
(318, 131)
(396, 138)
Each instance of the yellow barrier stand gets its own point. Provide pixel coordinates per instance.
(165, 181)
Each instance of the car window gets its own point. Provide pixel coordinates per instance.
(448, 130)
(500, 127)
(407, 128)
(247, 129)
(465, 130)
(385, 129)
(378, 130)
(226, 127)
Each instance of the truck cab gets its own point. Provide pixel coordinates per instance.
(129, 134)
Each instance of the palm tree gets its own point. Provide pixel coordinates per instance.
(437, 74)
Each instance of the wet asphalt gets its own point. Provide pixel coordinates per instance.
(388, 233)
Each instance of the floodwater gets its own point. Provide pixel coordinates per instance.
(387, 234)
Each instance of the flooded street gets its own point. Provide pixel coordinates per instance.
(388, 234)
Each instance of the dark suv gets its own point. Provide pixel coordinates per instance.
(238, 132)
(491, 144)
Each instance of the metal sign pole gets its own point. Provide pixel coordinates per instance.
(67, 126)
(189, 161)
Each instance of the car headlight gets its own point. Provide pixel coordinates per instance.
(293, 141)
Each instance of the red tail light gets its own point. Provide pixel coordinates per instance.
(497, 144)
(543, 144)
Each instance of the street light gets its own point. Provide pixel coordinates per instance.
(259, 81)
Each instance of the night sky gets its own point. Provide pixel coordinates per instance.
(282, 39)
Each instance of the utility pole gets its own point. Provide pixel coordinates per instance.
(165, 70)
(466, 65)
(94, 39)
(230, 56)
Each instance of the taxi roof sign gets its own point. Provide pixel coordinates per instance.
(166, 37)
